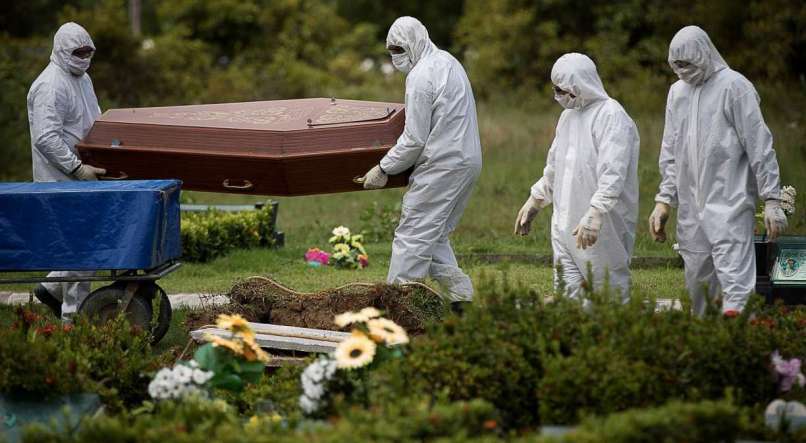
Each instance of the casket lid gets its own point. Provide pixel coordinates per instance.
(275, 115)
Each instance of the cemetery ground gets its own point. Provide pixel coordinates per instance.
(507, 367)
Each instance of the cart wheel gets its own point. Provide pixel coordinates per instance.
(149, 291)
(102, 305)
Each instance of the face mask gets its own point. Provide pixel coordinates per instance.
(77, 65)
(566, 101)
(690, 74)
(402, 62)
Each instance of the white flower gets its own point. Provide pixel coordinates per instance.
(308, 405)
(387, 69)
(183, 374)
(312, 389)
(201, 377)
(147, 45)
(367, 64)
(341, 231)
(164, 375)
(193, 364)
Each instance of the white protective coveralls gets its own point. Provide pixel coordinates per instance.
(441, 141)
(61, 109)
(592, 162)
(716, 158)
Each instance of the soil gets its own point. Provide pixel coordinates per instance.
(263, 300)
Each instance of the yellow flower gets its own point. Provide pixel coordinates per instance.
(370, 312)
(348, 318)
(234, 323)
(387, 331)
(252, 351)
(362, 316)
(355, 352)
(233, 346)
(342, 248)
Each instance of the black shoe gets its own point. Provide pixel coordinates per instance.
(458, 307)
(43, 295)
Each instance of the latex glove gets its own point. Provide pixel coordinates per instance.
(774, 219)
(375, 178)
(87, 172)
(587, 231)
(657, 221)
(530, 209)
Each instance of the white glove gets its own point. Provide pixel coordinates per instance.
(657, 221)
(774, 219)
(375, 178)
(87, 172)
(530, 209)
(587, 231)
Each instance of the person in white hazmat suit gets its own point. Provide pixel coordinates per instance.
(61, 109)
(716, 158)
(441, 142)
(591, 179)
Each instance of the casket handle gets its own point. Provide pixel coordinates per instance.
(121, 176)
(246, 185)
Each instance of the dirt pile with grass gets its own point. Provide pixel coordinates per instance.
(263, 300)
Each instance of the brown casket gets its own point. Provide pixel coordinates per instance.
(281, 147)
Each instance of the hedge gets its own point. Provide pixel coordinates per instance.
(213, 233)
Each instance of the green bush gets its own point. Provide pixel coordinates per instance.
(45, 358)
(210, 234)
(705, 422)
(492, 353)
(551, 363)
(196, 420)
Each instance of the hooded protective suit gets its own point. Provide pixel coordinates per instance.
(441, 141)
(61, 109)
(592, 163)
(716, 158)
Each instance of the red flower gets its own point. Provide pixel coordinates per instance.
(490, 424)
(67, 327)
(46, 330)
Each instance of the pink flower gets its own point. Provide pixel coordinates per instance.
(788, 371)
(317, 255)
(363, 261)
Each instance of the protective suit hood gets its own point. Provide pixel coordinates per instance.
(577, 74)
(692, 45)
(68, 38)
(411, 35)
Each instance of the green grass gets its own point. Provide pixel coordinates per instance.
(288, 267)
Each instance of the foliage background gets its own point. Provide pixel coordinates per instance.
(209, 51)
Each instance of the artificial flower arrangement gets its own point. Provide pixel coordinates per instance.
(222, 363)
(782, 414)
(348, 251)
(374, 339)
(788, 195)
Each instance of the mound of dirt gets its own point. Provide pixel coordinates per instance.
(263, 300)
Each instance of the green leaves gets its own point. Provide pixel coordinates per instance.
(232, 372)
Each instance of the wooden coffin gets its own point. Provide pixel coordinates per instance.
(281, 147)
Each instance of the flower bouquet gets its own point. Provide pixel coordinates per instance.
(222, 363)
(348, 251)
(374, 339)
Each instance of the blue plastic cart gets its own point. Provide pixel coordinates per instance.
(127, 232)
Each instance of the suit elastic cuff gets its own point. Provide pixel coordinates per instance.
(73, 170)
